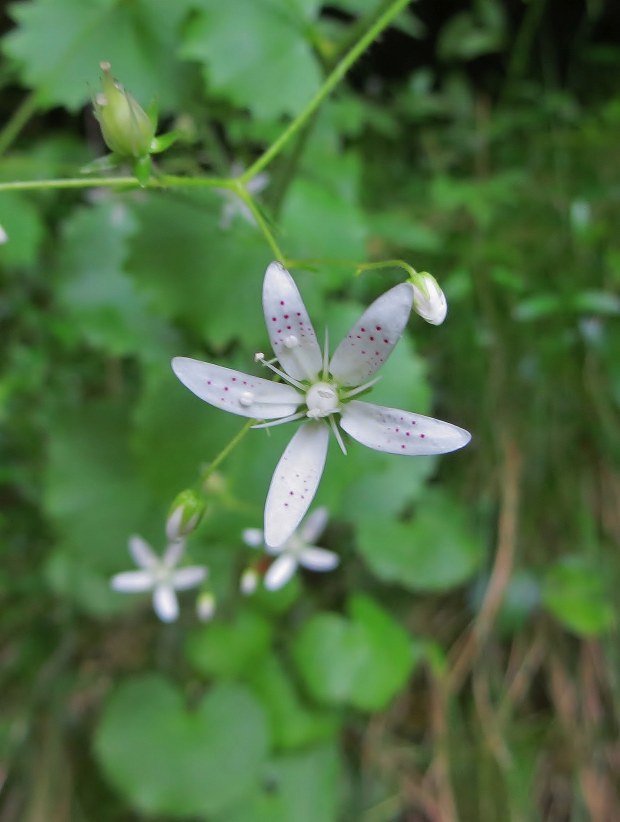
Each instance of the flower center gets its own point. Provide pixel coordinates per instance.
(322, 400)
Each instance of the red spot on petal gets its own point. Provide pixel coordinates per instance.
(281, 302)
(208, 382)
(291, 494)
(286, 316)
(407, 433)
(225, 388)
(378, 327)
(362, 329)
(387, 342)
(234, 379)
(372, 339)
(403, 445)
(422, 435)
(274, 319)
(288, 327)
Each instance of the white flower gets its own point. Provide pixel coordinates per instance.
(234, 205)
(299, 549)
(159, 575)
(4, 237)
(429, 301)
(322, 391)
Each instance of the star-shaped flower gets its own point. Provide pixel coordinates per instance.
(322, 391)
(159, 575)
(299, 549)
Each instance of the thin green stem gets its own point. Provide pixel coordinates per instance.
(162, 181)
(18, 120)
(387, 264)
(234, 442)
(331, 81)
(246, 197)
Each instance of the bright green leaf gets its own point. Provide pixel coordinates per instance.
(575, 592)
(167, 759)
(362, 661)
(255, 54)
(435, 551)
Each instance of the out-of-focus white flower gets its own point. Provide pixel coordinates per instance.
(4, 237)
(322, 391)
(429, 301)
(235, 207)
(249, 581)
(299, 549)
(159, 575)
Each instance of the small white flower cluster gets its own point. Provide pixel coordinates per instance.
(161, 576)
(300, 549)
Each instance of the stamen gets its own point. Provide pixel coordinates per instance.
(282, 420)
(260, 357)
(336, 433)
(326, 355)
(347, 395)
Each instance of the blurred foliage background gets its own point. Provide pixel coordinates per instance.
(463, 661)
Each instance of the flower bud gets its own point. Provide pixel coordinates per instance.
(185, 514)
(429, 301)
(126, 127)
(205, 606)
(249, 581)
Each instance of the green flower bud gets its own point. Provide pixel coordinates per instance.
(126, 127)
(429, 301)
(185, 514)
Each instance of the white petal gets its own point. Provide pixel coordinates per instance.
(142, 553)
(184, 578)
(318, 559)
(173, 553)
(132, 582)
(295, 481)
(165, 603)
(400, 432)
(370, 341)
(235, 391)
(253, 537)
(291, 333)
(314, 525)
(280, 572)
(3, 236)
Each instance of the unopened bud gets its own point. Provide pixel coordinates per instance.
(249, 581)
(185, 514)
(205, 606)
(429, 301)
(126, 127)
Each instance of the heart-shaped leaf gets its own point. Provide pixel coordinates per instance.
(167, 759)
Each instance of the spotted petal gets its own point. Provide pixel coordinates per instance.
(235, 391)
(400, 432)
(291, 333)
(295, 481)
(371, 340)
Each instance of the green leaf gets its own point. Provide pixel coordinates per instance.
(101, 301)
(576, 593)
(91, 489)
(24, 228)
(435, 551)
(166, 759)
(57, 48)
(300, 787)
(192, 270)
(230, 649)
(362, 661)
(293, 724)
(255, 54)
